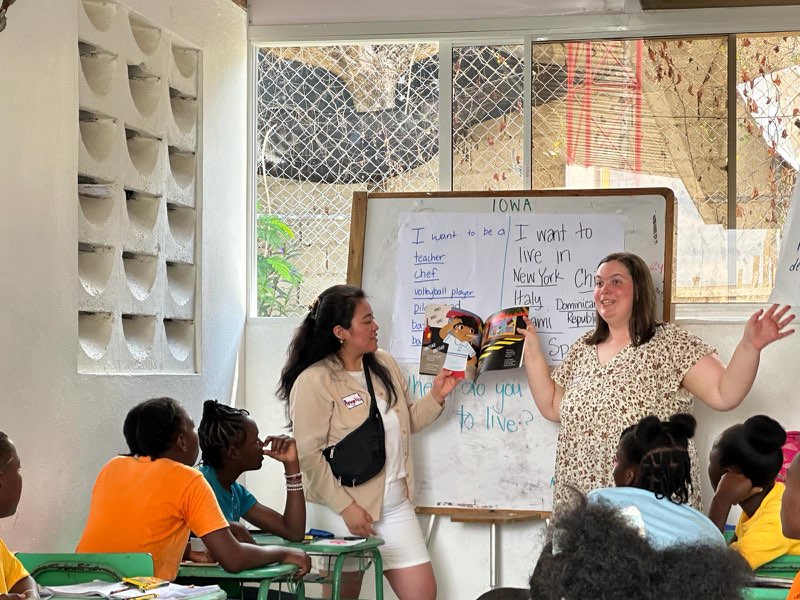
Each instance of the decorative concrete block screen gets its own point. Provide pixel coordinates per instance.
(138, 194)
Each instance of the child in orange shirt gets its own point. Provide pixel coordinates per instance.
(15, 583)
(790, 514)
(148, 501)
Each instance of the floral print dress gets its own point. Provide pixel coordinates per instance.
(600, 400)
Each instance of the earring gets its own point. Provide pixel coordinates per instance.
(341, 340)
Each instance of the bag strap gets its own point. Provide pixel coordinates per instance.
(373, 407)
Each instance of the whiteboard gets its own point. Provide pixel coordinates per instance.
(490, 449)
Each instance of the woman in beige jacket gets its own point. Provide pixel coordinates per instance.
(324, 384)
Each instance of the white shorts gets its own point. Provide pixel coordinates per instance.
(399, 528)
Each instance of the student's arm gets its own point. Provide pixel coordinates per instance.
(290, 525)
(547, 394)
(233, 556)
(724, 388)
(25, 588)
(732, 489)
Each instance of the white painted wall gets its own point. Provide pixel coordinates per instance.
(460, 552)
(67, 425)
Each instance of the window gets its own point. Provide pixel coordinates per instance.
(603, 114)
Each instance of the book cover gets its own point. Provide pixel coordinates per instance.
(462, 342)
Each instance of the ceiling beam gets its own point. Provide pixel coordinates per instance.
(683, 4)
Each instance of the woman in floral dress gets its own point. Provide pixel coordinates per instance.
(631, 366)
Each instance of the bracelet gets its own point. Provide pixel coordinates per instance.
(294, 487)
(294, 477)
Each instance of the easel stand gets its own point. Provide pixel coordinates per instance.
(492, 517)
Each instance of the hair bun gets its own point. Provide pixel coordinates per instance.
(646, 429)
(210, 409)
(764, 433)
(682, 425)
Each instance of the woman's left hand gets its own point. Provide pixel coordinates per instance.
(281, 447)
(763, 328)
(443, 384)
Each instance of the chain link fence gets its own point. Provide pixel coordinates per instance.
(332, 120)
(614, 113)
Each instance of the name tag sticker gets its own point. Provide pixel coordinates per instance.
(353, 400)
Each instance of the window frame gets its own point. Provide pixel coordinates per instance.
(526, 32)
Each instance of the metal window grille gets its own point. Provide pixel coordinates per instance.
(332, 120)
(487, 117)
(655, 112)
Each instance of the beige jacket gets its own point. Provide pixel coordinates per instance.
(321, 419)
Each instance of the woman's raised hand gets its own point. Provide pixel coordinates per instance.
(765, 327)
(443, 384)
(529, 332)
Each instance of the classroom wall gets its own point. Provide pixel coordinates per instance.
(66, 424)
(460, 552)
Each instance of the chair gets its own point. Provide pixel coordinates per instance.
(68, 568)
(506, 593)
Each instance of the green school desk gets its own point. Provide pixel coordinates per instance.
(263, 575)
(367, 549)
(759, 593)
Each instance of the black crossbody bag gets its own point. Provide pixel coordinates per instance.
(361, 454)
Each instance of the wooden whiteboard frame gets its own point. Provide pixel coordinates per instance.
(355, 266)
(358, 223)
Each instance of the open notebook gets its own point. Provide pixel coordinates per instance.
(120, 591)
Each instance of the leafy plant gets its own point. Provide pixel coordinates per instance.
(278, 277)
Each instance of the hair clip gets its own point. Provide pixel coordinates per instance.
(312, 308)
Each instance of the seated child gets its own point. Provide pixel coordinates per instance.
(230, 445)
(653, 473)
(743, 464)
(149, 500)
(790, 514)
(592, 551)
(15, 583)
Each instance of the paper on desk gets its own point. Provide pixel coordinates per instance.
(119, 591)
(338, 542)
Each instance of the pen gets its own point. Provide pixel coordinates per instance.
(143, 597)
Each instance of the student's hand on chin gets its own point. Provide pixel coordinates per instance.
(281, 448)
(736, 487)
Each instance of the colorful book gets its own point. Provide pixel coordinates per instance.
(460, 341)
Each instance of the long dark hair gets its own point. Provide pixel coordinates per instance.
(753, 447)
(314, 340)
(643, 321)
(661, 449)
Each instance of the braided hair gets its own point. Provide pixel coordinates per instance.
(152, 426)
(754, 448)
(661, 449)
(220, 428)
